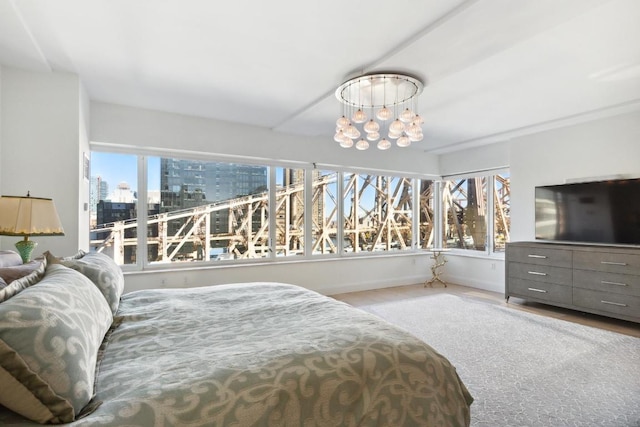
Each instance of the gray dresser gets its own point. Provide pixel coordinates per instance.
(596, 279)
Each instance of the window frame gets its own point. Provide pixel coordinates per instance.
(490, 176)
(143, 264)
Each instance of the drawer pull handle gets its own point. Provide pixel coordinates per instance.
(613, 303)
(537, 256)
(539, 290)
(613, 263)
(605, 282)
(537, 273)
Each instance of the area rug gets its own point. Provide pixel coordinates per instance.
(525, 369)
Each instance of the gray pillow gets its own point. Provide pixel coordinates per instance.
(9, 258)
(101, 270)
(49, 340)
(9, 274)
(19, 285)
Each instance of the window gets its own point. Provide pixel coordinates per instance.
(502, 209)
(206, 211)
(289, 211)
(427, 213)
(209, 211)
(476, 217)
(465, 214)
(114, 206)
(377, 214)
(324, 214)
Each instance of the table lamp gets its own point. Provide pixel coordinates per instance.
(28, 216)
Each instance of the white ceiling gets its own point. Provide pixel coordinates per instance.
(493, 69)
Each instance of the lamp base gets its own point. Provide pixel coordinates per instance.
(25, 247)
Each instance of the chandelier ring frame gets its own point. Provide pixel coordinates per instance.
(353, 92)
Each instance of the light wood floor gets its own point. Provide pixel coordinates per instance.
(411, 291)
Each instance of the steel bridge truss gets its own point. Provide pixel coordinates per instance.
(378, 216)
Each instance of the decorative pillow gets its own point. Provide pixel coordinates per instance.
(24, 282)
(9, 274)
(101, 270)
(49, 340)
(9, 258)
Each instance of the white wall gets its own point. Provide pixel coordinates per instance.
(608, 147)
(134, 127)
(44, 127)
(157, 131)
(0, 133)
(601, 148)
(40, 145)
(328, 276)
(84, 184)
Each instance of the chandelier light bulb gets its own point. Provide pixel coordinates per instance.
(384, 114)
(352, 132)
(407, 115)
(371, 126)
(417, 137)
(342, 122)
(418, 120)
(359, 116)
(346, 142)
(338, 136)
(362, 144)
(384, 144)
(373, 136)
(394, 135)
(396, 127)
(403, 141)
(413, 129)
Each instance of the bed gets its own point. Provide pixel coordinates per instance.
(74, 350)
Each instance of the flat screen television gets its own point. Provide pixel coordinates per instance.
(601, 212)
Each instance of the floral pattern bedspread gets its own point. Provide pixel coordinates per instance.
(267, 354)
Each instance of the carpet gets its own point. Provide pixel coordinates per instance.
(525, 369)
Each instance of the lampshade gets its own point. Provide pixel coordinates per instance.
(388, 100)
(28, 216)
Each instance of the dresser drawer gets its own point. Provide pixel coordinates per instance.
(607, 302)
(539, 256)
(623, 284)
(540, 273)
(612, 262)
(539, 290)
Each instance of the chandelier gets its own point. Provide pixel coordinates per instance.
(379, 108)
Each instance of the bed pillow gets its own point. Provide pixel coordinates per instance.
(19, 285)
(9, 274)
(49, 340)
(9, 258)
(101, 270)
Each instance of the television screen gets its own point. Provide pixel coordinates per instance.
(606, 212)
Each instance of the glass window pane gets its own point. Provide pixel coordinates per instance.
(426, 213)
(206, 211)
(113, 206)
(377, 213)
(502, 203)
(289, 212)
(465, 214)
(324, 214)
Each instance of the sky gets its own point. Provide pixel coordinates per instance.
(115, 168)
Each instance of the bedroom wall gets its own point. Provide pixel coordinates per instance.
(157, 131)
(40, 147)
(604, 148)
(0, 136)
(607, 147)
